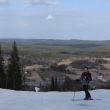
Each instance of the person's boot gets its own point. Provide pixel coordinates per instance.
(89, 98)
(85, 98)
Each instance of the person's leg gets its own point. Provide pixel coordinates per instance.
(87, 92)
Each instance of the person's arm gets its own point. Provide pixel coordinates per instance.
(81, 78)
(90, 77)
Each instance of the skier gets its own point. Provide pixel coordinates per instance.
(85, 80)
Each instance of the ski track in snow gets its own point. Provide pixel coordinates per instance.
(13, 100)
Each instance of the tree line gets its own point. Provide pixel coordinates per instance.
(62, 85)
(11, 75)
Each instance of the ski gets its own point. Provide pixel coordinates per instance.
(85, 100)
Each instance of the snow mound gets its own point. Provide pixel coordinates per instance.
(14, 100)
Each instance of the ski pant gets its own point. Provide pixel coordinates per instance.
(86, 90)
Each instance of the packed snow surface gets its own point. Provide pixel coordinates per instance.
(14, 100)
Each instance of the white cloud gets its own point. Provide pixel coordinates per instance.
(4, 2)
(25, 24)
(40, 2)
(49, 17)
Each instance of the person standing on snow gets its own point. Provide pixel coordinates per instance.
(85, 80)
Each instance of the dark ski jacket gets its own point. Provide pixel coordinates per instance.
(85, 78)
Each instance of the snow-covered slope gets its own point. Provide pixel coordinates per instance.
(13, 100)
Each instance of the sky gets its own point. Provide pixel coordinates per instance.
(55, 19)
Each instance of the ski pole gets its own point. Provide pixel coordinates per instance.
(74, 96)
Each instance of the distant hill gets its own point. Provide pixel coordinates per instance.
(72, 43)
(46, 51)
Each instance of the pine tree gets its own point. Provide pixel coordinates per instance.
(66, 85)
(56, 84)
(2, 72)
(14, 70)
(52, 86)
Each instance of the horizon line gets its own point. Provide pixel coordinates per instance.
(53, 39)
